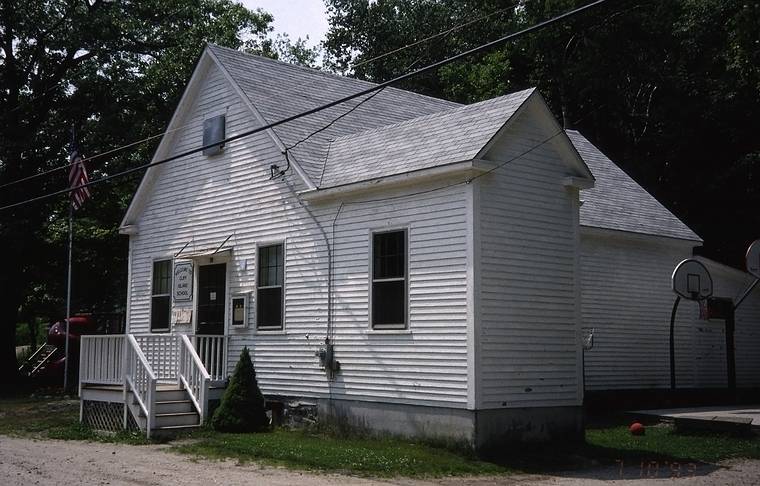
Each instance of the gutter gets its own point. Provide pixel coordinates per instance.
(467, 168)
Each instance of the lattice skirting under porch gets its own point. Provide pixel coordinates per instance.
(107, 416)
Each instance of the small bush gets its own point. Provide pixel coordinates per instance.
(242, 406)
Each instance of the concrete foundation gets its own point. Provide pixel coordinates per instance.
(508, 426)
(480, 429)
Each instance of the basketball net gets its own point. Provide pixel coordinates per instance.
(703, 314)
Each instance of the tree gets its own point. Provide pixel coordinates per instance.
(116, 70)
(242, 408)
(670, 90)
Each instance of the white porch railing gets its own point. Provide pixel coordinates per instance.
(101, 359)
(141, 381)
(140, 362)
(193, 376)
(162, 352)
(213, 353)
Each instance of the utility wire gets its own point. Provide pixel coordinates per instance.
(92, 157)
(442, 33)
(516, 35)
(123, 147)
(132, 144)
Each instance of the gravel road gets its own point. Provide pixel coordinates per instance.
(50, 462)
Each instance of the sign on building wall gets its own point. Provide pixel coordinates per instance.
(182, 316)
(183, 281)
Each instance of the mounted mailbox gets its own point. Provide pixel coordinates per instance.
(239, 311)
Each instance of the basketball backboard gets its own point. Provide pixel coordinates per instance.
(691, 280)
(753, 259)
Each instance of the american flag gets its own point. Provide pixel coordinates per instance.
(77, 177)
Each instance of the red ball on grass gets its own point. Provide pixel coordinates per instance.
(637, 428)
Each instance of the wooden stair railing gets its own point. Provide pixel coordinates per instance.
(141, 381)
(193, 376)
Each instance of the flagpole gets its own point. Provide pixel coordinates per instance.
(68, 300)
(68, 277)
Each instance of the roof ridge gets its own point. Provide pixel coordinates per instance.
(417, 119)
(320, 72)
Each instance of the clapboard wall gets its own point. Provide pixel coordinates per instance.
(527, 337)
(627, 302)
(730, 282)
(203, 200)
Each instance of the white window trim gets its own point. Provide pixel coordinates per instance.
(281, 327)
(388, 328)
(153, 261)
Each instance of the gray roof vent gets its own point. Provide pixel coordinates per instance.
(213, 131)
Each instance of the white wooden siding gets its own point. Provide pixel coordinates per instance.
(729, 282)
(205, 199)
(529, 349)
(627, 300)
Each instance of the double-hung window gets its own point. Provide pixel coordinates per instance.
(160, 299)
(269, 288)
(389, 279)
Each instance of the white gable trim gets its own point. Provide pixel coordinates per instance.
(260, 118)
(561, 142)
(146, 184)
(207, 60)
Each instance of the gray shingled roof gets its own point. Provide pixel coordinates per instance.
(399, 131)
(279, 90)
(449, 136)
(617, 202)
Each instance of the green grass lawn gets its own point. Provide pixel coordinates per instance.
(663, 442)
(52, 418)
(318, 451)
(56, 418)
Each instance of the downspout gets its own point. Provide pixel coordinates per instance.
(328, 243)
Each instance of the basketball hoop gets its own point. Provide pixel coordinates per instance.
(753, 259)
(691, 281)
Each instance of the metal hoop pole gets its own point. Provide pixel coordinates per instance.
(673, 344)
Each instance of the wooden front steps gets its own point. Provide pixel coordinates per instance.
(174, 411)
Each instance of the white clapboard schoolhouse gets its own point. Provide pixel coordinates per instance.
(403, 263)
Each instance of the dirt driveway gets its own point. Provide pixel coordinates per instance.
(49, 462)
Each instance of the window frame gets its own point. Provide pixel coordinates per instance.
(257, 325)
(371, 277)
(153, 263)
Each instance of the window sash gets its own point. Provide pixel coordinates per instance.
(270, 288)
(160, 298)
(389, 314)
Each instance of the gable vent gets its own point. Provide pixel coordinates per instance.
(213, 131)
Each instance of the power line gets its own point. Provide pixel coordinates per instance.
(394, 51)
(430, 67)
(442, 33)
(93, 157)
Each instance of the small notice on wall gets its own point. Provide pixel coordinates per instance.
(182, 316)
(183, 281)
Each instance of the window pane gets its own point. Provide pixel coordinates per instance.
(160, 310)
(269, 308)
(389, 302)
(389, 255)
(270, 265)
(161, 277)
